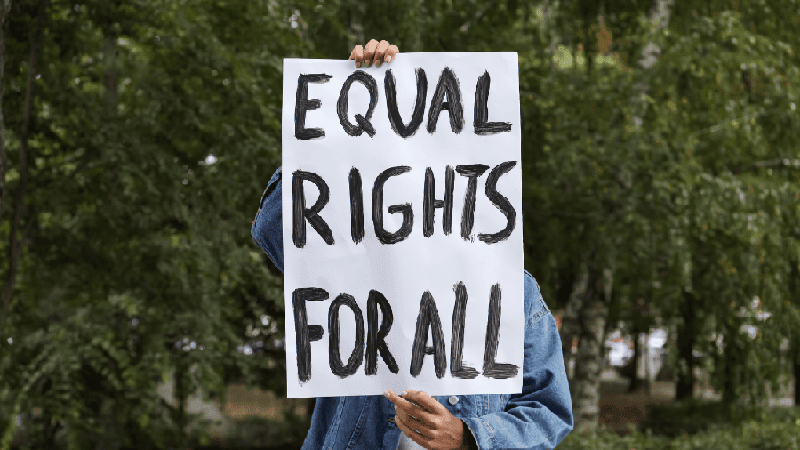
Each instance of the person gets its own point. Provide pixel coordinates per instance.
(537, 418)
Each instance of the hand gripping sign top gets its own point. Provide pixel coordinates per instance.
(382, 289)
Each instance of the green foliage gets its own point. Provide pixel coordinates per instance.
(694, 416)
(771, 431)
(695, 204)
(258, 432)
(137, 257)
(135, 242)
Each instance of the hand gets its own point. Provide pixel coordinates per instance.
(377, 52)
(430, 424)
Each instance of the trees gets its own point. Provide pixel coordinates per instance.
(134, 242)
(134, 238)
(725, 128)
(657, 201)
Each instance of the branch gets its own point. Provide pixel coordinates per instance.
(717, 127)
(776, 162)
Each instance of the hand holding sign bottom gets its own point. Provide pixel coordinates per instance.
(428, 423)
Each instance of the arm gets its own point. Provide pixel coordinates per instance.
(541, 416)
(267, 233)
(267, 229)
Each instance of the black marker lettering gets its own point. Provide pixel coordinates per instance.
(428, 317)
(376, 336)
(305, 334)
(468, 215)
(448, 84)
(342, 106)
(303, 105)
(300, 213)
(457, 368)
(500, 202)
(356, 206)
(492, 369)
(357, 356)
(377, 209)
(429, 202)
(419, 107)
(482, 124)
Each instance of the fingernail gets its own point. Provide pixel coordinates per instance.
(403, 394)
(358, 64)
(378, 63)
(388, 59)
(386, 394)
(366, 63)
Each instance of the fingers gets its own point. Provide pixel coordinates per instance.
(391, 53)
(413, 423)
(358, 55)
(414, 435)
(369, 52)
(374, 52)
(380, 52)
(416, 422)
(425, 400)
(409, 408)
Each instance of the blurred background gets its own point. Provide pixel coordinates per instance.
(661, 169)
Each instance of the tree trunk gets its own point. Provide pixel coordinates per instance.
(730, 364)
(637, 351)
(570, 326)
(110, 73)
(355, 28)
(589, 359)
(5, 9)
(794, 338)
(411, 25)
(180, 393)
(684, 388)
(44, 428)
(15, 244)
(647, 376)
(795, 351)
(548, 21)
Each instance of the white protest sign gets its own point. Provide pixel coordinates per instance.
(402, 226)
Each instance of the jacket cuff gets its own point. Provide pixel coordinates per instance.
(482, 432)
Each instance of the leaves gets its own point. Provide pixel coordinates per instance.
(139, 239)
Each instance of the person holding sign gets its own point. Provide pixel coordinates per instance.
(537, 418)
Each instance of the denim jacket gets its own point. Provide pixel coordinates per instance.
(538, 418)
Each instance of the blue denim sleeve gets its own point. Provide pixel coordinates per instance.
(267, 230)
(541, 416)
(326, 412)
(349, 423)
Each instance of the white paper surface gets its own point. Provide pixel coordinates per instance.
(403, 271)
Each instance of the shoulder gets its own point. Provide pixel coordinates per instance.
(274, 185)
(535, 306)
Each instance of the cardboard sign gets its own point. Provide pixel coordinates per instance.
(402, 226)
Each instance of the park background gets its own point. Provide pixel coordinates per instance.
(661, 173)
